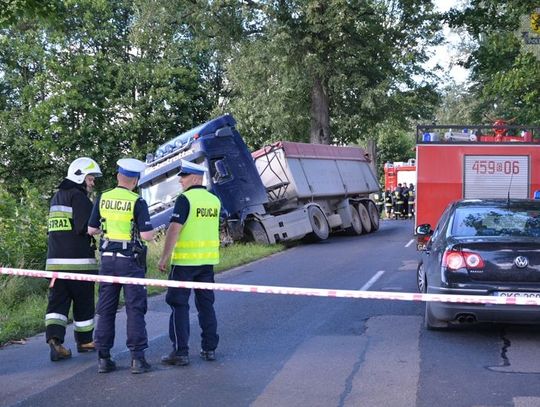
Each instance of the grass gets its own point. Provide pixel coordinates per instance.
(23, 300)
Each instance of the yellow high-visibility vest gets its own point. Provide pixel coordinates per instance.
(117, 208)
(198, 243)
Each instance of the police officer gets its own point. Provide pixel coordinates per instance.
(70, 249)
(122, 218)
(192, 241)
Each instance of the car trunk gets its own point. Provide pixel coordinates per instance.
(513, 260)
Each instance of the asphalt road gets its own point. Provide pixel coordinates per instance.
(280, 350)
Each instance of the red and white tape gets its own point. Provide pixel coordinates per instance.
(266, 289)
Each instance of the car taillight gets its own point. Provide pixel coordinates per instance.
(455, 260)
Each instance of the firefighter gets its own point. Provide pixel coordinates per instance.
(405, 194)
(388, 204)
(71, 249)
(379, 201)
(398, 202)
(122, 218)
(411, 200)
(192, 242)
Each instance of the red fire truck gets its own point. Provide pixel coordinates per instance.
(460, 162)
(399, 173)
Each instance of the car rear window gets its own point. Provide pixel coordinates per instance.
(483, 221)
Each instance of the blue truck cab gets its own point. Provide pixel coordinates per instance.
(232, 175)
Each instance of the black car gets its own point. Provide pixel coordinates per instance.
(482, 247)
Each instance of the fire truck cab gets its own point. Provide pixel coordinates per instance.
(464, 162)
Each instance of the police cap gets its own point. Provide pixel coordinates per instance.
(191, 168)
(130, 167)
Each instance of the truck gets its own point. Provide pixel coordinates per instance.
(466, 162)
(283, 192)
(400, 172)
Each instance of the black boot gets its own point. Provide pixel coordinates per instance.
(140, 366)
(106, 365)
(174, 359)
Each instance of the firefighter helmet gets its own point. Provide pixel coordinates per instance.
(82, 167)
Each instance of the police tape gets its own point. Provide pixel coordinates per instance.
(266, 289)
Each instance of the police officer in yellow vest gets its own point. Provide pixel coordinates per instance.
(192, 248)
(122, 218)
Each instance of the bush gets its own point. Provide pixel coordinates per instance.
(24, 228)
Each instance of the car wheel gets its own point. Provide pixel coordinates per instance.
(421, 281)
(430, 322)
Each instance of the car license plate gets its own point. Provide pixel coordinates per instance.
(516, 294)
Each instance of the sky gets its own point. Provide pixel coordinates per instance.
(444, 54)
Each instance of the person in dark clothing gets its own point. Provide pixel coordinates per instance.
(71, 249)
(121, 217)
(192, 247)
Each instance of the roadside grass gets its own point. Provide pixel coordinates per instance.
(23, 300)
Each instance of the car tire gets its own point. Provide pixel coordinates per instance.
(421, 280)
(430, 322)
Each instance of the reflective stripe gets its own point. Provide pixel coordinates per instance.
(61, 208)
(71, 264)
(111, 254)
(210, 255)
(55, 319)
(120, 216)
(197, 244)
(83, 326)
(72, 261)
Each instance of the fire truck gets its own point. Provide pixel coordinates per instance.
(461, 162)
(399, 173)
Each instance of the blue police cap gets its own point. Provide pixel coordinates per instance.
(130, 167)
(191, 168)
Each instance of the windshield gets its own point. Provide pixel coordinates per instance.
(470, 221)
(162, 192)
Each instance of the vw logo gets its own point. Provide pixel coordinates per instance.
(521, 262)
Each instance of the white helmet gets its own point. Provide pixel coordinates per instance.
(82, 167)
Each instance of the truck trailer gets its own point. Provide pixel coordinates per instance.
(466, 162)
(285, 191)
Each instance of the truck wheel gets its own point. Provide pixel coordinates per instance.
(256, 232)
(374, 215)
(318, 222)
(356, 224)
(364, 217)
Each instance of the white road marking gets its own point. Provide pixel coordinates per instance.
(410, 243)
(372, 280)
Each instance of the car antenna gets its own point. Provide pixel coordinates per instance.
(509, 188)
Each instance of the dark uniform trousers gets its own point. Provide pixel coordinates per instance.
(178, 299)
(61, 295)
(136, 305)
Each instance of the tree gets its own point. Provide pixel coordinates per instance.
(505, 75)
(329, 69)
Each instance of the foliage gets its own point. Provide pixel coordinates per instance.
(24, 234)
(394, 143)
(329, 71)
(106, 80)
(506, 77)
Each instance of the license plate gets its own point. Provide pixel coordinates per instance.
(516, 294)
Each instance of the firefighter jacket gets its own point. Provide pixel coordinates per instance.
(198, 243)
(69, 246)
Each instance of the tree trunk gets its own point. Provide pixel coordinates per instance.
(320, 113)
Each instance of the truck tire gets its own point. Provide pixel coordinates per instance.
(318, 223)
(256, 233)
(364, 217)
(373, 215)
(356, 224)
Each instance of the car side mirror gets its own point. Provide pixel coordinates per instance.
(424, 230)
(423, 234)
